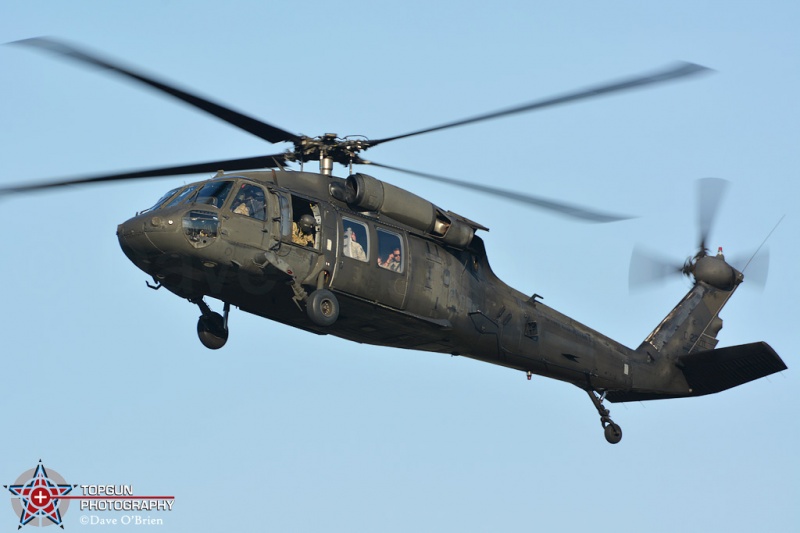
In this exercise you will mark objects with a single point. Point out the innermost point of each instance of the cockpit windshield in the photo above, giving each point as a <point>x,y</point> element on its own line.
<point>208,193</point>
<point>214,193</point>
<point>184,194</point>
<point>162,200</point>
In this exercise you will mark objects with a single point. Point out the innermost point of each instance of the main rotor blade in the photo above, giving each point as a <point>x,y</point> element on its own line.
<point>267,161</point>
<point>560,208</point>
<point>258,128</point>
<point>709,196</point>
<point>675,72</point>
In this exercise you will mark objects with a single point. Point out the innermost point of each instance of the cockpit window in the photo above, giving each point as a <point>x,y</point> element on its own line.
<point>214,193</point>
<point>162,200</point>
<point>186,193</point>
<point>250,202</point>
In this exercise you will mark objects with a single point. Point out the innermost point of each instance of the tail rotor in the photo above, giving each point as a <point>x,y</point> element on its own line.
<point>647,268</point>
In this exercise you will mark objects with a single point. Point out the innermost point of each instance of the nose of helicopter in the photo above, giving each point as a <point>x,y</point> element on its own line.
<point>145,239</point>
<point>175,241</point>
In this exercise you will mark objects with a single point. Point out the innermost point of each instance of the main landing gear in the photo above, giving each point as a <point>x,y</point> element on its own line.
<point>212,328</point>
<point>322,307</point>
<point>612,431</point>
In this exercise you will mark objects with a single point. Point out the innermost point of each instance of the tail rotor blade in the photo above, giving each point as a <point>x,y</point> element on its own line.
<point>755,267</point>
<point>647,268</point>
<point>709,197</point>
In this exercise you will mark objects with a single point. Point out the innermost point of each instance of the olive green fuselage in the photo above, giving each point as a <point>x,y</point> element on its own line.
<point>440,299</point>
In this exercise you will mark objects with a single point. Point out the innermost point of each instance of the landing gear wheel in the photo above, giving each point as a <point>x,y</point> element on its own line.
<point>322,307</point>
<point>212,331</point>
<point>613,433</point>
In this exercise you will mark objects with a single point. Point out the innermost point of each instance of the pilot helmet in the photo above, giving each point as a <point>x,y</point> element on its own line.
<point>306,224</point>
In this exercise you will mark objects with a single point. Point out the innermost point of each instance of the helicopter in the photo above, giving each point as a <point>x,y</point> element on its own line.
<point>367,261</point>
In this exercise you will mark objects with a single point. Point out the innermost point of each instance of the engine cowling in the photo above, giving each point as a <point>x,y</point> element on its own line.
<point>370,194</point>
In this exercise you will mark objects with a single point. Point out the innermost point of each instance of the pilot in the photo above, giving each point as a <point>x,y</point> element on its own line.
<point>249,202</point>
<point>351,246</point>
<point>303,231</point>
<point>240,205</point>
<point>257,205</point>
<point>392,261</point>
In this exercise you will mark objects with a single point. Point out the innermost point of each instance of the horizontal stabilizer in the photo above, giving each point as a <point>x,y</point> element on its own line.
<point>715,371</point>
<point>719,370</point>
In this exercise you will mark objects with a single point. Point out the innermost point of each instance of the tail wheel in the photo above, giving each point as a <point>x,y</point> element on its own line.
<point>613,433</point>
<point>322,307</point>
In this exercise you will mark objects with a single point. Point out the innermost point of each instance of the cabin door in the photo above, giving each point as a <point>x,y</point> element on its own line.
<point>371,263</point>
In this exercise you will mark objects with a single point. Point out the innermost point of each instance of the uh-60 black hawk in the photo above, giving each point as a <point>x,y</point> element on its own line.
<point>372,263</point>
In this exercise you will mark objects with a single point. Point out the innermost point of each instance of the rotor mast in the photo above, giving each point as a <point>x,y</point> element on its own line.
<point>325,156</point>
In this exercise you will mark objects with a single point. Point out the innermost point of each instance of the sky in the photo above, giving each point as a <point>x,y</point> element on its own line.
<point>106,382</point>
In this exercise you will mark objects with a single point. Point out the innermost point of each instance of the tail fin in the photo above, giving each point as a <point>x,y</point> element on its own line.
<point>692,326</point>
<point>683,345</point>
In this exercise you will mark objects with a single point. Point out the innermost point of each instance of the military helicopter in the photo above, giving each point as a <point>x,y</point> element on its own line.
<point>369,262</point>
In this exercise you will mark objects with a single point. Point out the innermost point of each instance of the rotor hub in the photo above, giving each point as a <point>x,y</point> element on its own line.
<point>715,271</point>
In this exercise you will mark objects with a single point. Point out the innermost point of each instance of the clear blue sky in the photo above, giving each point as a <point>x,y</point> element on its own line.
<point>106,382</point>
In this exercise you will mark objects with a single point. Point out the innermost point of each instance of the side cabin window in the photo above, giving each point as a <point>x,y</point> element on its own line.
<point>356,240</point>
<point>250,202</point>
<point>390,250</point>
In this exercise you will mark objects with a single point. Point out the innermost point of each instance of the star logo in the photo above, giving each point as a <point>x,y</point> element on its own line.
<point>37,497</point>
